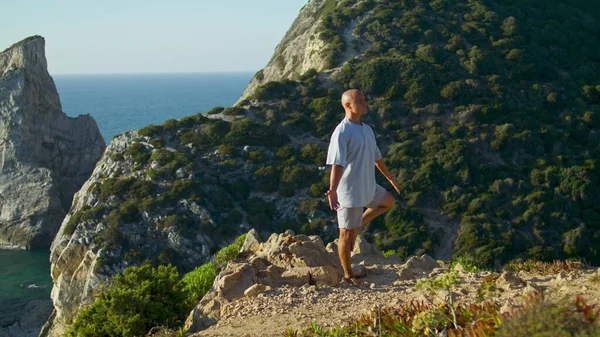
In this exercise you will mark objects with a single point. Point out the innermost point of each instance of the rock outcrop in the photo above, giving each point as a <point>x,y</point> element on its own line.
<point>45,156</point>
<point>284,259</point>
<point>302,48</point>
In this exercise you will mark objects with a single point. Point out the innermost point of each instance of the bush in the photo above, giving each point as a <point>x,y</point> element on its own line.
<point>177,221</point>
<point>215,110</point>
<point>229,253</point>
<point>245,132</point>
<point>150,130</point>
<point>138,153</point>
<point>541,318</point>
<point>313,154</point>
<point>199,281</point>
<point>139,299</point>
<point>235,111</point>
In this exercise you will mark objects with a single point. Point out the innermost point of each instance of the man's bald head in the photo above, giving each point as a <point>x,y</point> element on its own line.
<point>354,102</point>
<point>349,96</point>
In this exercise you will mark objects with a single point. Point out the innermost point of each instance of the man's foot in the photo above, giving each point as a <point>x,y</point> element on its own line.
<point>352,281</point>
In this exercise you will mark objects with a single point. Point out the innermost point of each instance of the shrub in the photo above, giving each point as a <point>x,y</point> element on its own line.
<point>139,299</point>
<point>215,110</point>
<point>229,253</point>
<point>245,132</point>
<point>541,318</point>
<point>138,153</point>
<point>235,111</point>
<point>177,221</point>
<point>150,130</point>
<point>313,154</point>
<point>199,281</point>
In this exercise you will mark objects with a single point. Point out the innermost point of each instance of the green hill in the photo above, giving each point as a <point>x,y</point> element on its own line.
<point>490,112</point>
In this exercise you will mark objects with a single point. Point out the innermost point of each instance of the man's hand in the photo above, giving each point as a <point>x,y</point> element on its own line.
<point>333,199</point>
<point>395,185</point>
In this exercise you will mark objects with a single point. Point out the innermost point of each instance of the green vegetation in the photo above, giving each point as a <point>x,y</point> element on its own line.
<point>488,111</point>
<point>139,299</point>
<point>539,318</point>
<point>145,297</point>
<point>199,281</point>
<point>490,118</point>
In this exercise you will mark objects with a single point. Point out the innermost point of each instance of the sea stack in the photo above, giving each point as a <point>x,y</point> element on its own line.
<point>45,156</point>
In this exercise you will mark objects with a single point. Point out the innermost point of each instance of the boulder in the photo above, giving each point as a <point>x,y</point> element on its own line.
<point>509,280</point>
<point>283,260</point>
<point>251,243</point>
<point>45,155</point>
<point>417,267</point>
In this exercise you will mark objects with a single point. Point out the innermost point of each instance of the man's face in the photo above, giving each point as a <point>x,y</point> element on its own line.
<point>359,103</point>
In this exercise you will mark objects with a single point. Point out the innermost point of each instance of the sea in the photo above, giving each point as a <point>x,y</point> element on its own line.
<point>118,102</point>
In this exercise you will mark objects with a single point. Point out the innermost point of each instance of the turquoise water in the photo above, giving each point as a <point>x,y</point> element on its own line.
<point>24,275</point>
<point>118,103</point>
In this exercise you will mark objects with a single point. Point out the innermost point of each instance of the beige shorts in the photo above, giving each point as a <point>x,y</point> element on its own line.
<point>351,217</point>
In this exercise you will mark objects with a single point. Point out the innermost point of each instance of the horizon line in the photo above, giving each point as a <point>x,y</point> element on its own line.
<point>161,73</point>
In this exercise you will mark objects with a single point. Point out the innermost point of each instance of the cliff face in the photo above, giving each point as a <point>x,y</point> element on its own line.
<point>448,85</point>
<point>303,48</point>
<point>45,156</point>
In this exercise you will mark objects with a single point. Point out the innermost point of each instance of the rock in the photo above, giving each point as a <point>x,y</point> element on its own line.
<point>560,277</point>
<point>506,308</point>
<point>45,156</point>
<point>530,288</point>
<point>417,267</point>
<point>459,268</point>
<point>332,247</point>
<point>254,290</point>
<point>359,270</point>
<point>234,280</point>
<point>25,319</point>
<point>363,247</point>
<point>298,52</point>
<point>283,260</point>
<point>363,250</point>
<point>509,280</point>
<point>251,243</point>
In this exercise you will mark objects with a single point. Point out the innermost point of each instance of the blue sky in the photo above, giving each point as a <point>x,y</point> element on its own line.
<point>136,36</point>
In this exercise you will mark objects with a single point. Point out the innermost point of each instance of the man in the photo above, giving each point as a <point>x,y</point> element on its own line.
<point>353,155</point>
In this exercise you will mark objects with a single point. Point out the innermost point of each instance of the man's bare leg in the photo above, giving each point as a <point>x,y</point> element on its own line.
<point>370,214</point>
<point>344,250</point>
<point>355,232</point>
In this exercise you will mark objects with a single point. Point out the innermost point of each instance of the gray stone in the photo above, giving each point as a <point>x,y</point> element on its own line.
<point>417,267</point>
<point>45,156</point>
<point>251,242</point>
<point>509,280</point>
<point>254,290</point>
<point>359,270</point>
<point>300,50</point>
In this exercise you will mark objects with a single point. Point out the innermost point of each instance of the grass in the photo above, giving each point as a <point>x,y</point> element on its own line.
<point>546,268</point>
<point>538,318</point>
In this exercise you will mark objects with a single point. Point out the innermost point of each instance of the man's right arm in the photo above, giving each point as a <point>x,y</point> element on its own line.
<point>336,175</point>
<point>336,157</point>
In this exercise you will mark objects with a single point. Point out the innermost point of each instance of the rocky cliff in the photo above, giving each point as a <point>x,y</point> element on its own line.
<point>491,130</point>
<point>307,46</point>
<point>45,156</point>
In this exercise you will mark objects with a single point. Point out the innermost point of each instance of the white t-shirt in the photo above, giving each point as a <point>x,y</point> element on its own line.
<point>354,147</point>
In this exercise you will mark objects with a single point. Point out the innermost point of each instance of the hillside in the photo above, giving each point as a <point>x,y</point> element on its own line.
<point>487,112</point>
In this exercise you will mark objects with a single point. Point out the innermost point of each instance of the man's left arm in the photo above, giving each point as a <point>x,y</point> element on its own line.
<point>380,164</point>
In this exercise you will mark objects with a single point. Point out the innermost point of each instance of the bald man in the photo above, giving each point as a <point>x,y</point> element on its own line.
<point>353,155</point>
